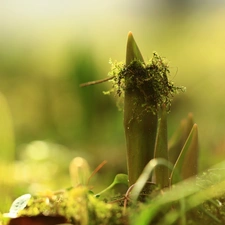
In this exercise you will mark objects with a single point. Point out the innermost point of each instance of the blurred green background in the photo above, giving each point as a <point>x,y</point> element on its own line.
<point>47,48</point>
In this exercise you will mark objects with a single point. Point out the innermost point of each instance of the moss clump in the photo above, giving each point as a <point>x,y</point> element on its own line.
<point>150,80</point>
<point>77,206</point>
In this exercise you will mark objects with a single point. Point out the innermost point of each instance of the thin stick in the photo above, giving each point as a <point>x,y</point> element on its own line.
<point>96,170</point>
<point>96,82</point>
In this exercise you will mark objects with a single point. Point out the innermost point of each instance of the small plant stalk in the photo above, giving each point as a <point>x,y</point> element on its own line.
<point>140,133</point>
<point>179,138</point>
<point>187,162</point>
<point>140,125</point>
<point>161,150</point>
<point>147,99</point>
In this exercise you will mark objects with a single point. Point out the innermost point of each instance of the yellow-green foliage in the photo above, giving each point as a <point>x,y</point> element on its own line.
<point>77,205</point>
<point>7,142</point>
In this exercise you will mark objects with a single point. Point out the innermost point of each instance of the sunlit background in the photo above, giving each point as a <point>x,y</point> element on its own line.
<point>48,48</point>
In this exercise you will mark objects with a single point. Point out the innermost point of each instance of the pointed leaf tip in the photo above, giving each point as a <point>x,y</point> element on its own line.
<point>133,51</point>
<point>130,34</point>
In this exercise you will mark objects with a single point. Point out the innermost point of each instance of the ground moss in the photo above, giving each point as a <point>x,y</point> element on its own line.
<point>77,206</point>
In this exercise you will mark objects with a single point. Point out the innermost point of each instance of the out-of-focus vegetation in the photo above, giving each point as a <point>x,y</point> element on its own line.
<point>48,48</point>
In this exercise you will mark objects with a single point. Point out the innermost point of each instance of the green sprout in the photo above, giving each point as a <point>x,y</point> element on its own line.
<point>119,179</point>
<point>147,95</point>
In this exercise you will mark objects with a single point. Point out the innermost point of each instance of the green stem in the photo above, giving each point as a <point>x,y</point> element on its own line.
<point>140,124</point>
<point>161,150</point>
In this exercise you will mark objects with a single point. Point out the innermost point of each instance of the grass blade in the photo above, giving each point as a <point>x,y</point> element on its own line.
<point>187,163</point>
<point>161,151</point>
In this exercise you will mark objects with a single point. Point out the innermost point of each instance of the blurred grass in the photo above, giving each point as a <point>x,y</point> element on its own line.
<point>47,50</point>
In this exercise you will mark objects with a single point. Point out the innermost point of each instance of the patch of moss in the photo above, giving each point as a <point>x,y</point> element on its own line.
<point>77,205</point>
<point>150,80</point>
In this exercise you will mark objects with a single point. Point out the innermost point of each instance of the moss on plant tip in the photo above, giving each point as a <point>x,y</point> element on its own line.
<point>150,80</point>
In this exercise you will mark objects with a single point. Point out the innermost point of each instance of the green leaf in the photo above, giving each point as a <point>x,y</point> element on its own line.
<point>140,125</point>
<point>133,52</point>
<point>190,164</point>
<point>143,178</point>
<point>146,88</point>
<point>119,179</point>
<point>161,151</point>
<point>163,203</point>
<point>189,196</point>
<point>179,138</point>
<point>187,163</point>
